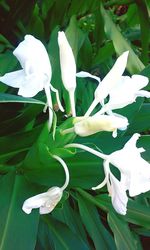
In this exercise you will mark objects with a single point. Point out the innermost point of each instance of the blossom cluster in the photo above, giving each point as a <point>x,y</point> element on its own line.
<point>115,91</point>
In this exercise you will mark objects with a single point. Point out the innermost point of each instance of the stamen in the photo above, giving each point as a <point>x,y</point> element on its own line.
<point>93,105</point>
<point>92,151</point>
<point>57,98</point>
<point>50,105</point>
<point>102,184</point>
<point>65,169</point>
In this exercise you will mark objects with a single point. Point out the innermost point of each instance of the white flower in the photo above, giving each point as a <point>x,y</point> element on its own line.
<point>36,69</point>
<point>109,81</point>
<point>47,201</point>
<point>126,92</point>
<point>35,74</point>
<point>68,68</point>
<point>135,171</point>
<point>85,126</point>
<point>135,174</point>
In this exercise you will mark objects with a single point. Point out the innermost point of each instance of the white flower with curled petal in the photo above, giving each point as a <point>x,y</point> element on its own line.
<point>135,171</point>
<point>36,72</point>
<point>68,68</point>
<point>109,81</point>
<point>126,92</point>
<point>47,201</point>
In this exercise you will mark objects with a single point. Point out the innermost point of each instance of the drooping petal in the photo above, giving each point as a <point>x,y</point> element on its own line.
<point>46,202</point>
<point>118,195</point>
<point>34,202</point>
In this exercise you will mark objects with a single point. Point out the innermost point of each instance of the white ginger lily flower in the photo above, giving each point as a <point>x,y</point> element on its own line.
<point>68,68</point>
<point>35,74</point>
<point>85,126</point>
<point>47,201</point>
<point>109,81</point>
<point>135,174</point>
<point>126,92</point>
<point>134,170</point>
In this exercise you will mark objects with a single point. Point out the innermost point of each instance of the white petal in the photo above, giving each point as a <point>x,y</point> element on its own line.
<point>112,78</point>
<point>33,56</point>
<point>34,202</point>
<point>14,79</point>
<point>67,63</point>
<point>84,74</point>
<point>31,86</point>
<point>118,195</point>
<point>143,93</point>
<point>140,81</point>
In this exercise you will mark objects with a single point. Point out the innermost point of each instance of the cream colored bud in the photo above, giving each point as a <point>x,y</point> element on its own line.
<point>91,125</point>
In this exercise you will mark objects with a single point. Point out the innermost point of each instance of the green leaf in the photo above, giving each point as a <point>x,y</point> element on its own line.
<point>102,239</point>
<point>123,237</point>
<point>63,237</point>
<point>24,142</point>
<point>75,36</point>
<point>120,43</point>
<point>16,228</point>
<point>139,123</point>
<point>5,98</point>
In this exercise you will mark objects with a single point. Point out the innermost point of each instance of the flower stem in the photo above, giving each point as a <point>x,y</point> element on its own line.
<point>65,169</point>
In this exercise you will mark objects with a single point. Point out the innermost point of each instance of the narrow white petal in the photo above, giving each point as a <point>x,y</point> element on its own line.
<point>143,93</point>
<point>112,78</point>
<point>84,74</point>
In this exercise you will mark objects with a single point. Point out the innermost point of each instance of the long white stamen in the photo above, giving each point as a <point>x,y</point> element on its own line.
<point>57,98</point>
<point>93,105</point>
<point>65,169</point>
<point>50,105</point>
<point>72,102</point>
<point>102,184</point>
<point>92,151</point>
<point>67,131</point>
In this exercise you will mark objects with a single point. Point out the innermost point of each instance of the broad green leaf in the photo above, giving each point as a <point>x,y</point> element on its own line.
<point>63,237</point>
<point>120,43</point>
<point>71,218</point>
<point>17,229</point>
<point>139,123</point>
<point>123,237</point>
<point>75,36</point>
<point>102,239</point>
<point>9,147</point>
